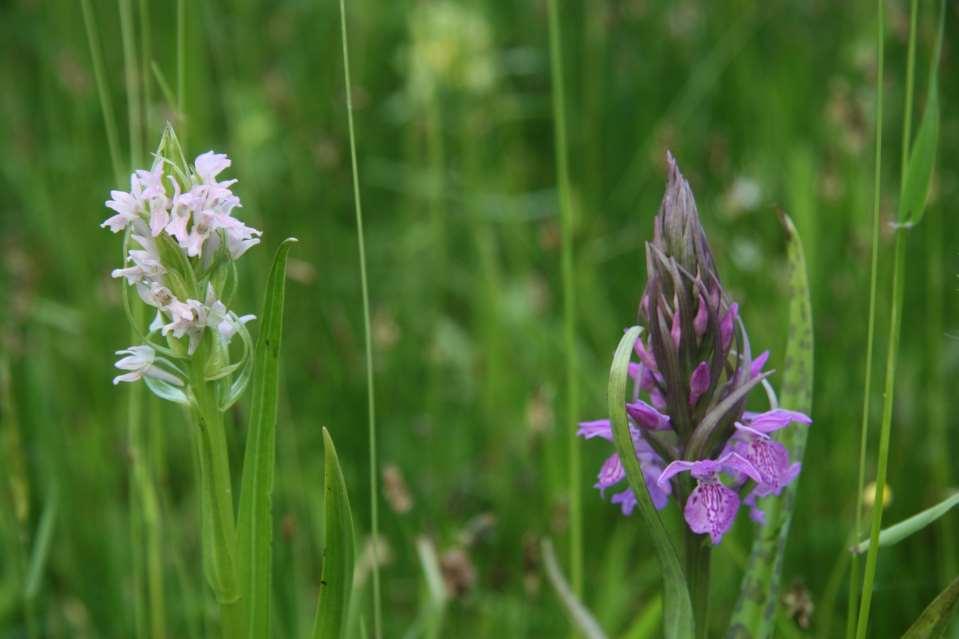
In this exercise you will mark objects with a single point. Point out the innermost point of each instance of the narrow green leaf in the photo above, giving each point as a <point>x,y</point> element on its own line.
<point>754,615</point>
<point>578,613</point>
<point>41,547</point>
<point>897,532</point>
<point>922,157</point>
<point>255,525</point>
<point>677,608</point>
<point>433,606</point>
<point>336,585</point>
<point>934,620</point>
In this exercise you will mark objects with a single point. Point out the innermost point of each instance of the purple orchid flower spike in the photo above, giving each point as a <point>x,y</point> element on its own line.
<point>693,374</point>
<point>612,471</point>
<point>712,506</point>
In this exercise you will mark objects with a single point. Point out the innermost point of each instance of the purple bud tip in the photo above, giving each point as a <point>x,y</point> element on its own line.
<point>698,383</point>
<point>727,324</point>
<point>702,318</point>
<point>676,330</point>
<point>644,355</point>
<point>756,368</point>
<point>646,416</point>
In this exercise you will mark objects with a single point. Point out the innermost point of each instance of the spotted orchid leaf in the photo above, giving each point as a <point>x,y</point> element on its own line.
<point>935,619</point>
<point>754,614</point>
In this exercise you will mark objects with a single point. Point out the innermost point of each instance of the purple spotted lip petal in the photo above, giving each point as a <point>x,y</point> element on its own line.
<point>711,509</point>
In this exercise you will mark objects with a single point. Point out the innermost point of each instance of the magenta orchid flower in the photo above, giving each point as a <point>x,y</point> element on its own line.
<point>693,355</point>
<point>711,506</point>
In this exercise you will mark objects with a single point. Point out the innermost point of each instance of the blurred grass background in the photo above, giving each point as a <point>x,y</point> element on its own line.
<point>764,103</point>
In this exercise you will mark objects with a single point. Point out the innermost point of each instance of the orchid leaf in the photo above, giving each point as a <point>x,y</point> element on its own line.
<point>677,606</point>
<point>255,520</point>
<point>934,620</point>
<point>754,615</point>
<point>912,525</point>
<point>336,585</point>
<point>922,156</point>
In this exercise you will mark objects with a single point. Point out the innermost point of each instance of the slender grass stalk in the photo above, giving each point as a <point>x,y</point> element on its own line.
<point>569,299</point>
<point>181,66</point>
<point>871,325</point>
<point>106,107</point>
<point>135,392</point>
<point>131,81</point>
<point>371,403</point>
<point>145,59</point>
<point>895,325</point>
<point>895,322</point>
<point>151,467</point>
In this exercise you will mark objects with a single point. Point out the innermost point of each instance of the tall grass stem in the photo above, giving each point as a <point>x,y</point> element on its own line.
<point>132,82</point>
<point>106,107</point>
<point>181,65</point>
<point>370,394</point>
<point>895,325</point>
<point>569,299</point>
<point>871,324</point>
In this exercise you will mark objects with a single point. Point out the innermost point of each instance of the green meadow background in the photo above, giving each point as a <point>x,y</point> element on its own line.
<point>765,105</point>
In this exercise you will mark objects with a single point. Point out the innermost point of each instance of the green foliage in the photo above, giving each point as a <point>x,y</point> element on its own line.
<point>922,157</point>
<point>677,609</point>
<point>763,104</point>
<point>934,620</point>
<point>336,586</point>
<point>255,524</point>
<point>578,614</point>
<point>897,532</point>
<point>755,613</point>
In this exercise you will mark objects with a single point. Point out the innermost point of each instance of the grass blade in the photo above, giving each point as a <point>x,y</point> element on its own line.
<point>106,106</point>
<point>934,620</point>
<point>578,613</point>
<point>364,286</point>
<point>41,547</point>
<point>255,522</point>
<point>677,607</point>
<point>922,157</point>
<point>853,595</point>
<point>569,298</point>
<point>907,527</point>
<point>892,352</point>
<point>754,615</point>
<point>336,586</point>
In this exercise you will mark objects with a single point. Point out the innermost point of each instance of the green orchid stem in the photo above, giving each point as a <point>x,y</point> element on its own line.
<point>698,555</point>
<point>217,486</point>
